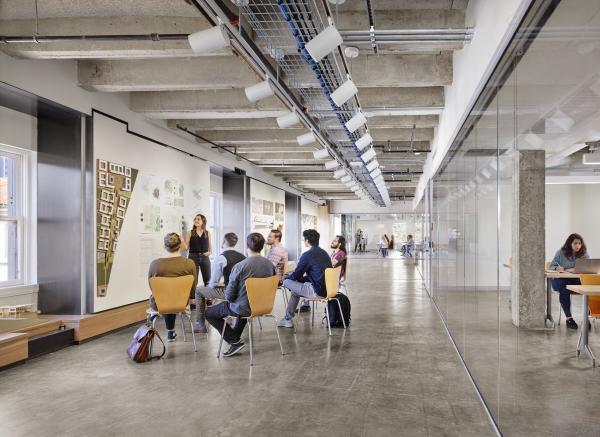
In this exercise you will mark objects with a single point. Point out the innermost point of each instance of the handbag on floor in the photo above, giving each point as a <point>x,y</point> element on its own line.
<point>139,348</point>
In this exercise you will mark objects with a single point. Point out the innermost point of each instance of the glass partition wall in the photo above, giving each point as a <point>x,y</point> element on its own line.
<point>544,95</point>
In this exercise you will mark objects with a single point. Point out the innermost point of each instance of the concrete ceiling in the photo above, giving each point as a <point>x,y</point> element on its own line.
<point>401,88</point>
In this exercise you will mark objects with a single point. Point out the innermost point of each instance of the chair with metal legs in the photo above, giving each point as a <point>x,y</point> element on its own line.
<point>332,285</point>
<point>261,296</point>
<point>343,287</point>
<point>171,296</point>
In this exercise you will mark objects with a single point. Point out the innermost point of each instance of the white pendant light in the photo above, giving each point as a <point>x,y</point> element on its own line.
<point>355,122</point>
<point>357,188</point>
<point>307,138</point>
<point>321,154</point>
<point>324,43</point>
<point>339,173</point>
<point>209,40</point>
<point>330,165</point>
<point>372,165</point>
<point>364,141</point>
<point>288,120</point>
<point>345,179</point>
<point>368,155</point>
<point>260,91</point>
<point>344,93</point>
<point>375,173</point>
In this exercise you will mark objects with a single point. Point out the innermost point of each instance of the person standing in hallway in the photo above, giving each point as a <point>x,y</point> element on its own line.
<point>392,243</point>
<point>278,254</point>
<point>237,304</point>
<point>172,265</point>
<point>357,240</point>
<point>339,255</point>
<point>221,268</point>
<point>197,242</point>
<point>564,261</point>
<point>383,246</point>
<point>308,280</point>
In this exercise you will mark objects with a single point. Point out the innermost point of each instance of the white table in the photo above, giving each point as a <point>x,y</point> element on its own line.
<point>586,291</point>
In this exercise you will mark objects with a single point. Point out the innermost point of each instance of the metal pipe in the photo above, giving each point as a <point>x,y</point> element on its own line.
<point>74,38</point>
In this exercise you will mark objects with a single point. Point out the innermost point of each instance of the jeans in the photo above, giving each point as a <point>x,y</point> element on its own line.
<point>298,289</point>
<point>215,315</point>
<point>202,293</point>
<point>169,318</point>
<point>564,296</point>
<point>202,267</point>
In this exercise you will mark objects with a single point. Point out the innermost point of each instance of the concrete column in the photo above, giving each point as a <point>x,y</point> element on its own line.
<point>528,244</point>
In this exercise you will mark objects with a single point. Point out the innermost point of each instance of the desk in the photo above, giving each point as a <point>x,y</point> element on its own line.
<point>586,291</point>
<point>550,275</point>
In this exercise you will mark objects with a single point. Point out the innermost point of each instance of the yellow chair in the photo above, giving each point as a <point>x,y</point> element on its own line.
<point>593,301</point>
<point>171,296</point>
<point>332,284</point>
<point>288,268</point>
<point>261,296</point>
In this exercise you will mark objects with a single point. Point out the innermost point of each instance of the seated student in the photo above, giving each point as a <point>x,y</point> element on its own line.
<point>339,254</point>
<point>564,261</point>
<point>278,254</point>
<point>236,305</point>
<point>308,280</point>
<point>221,268</point>
<point>172,265</point>
<point>408,247</point>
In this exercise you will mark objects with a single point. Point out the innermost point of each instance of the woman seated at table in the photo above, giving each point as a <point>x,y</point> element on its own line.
<point>564,261</point>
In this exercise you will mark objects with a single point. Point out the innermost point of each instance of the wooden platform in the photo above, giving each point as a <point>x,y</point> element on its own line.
<point>13,348</point>
<point>88,326</point>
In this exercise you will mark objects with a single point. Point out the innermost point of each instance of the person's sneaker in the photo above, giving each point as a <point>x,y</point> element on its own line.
<point>171,336</point>
<point>200,328</point>
<point>234,349</point>
<point>571,324</point>
<point>285,323</point>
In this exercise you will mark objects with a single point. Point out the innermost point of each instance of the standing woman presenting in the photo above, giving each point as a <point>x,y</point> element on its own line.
<point>197,241</point>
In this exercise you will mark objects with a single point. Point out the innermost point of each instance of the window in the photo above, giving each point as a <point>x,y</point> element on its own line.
<point>11,219</point>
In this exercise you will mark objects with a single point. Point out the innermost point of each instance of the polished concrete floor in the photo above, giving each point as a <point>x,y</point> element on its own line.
<point>393,373</point>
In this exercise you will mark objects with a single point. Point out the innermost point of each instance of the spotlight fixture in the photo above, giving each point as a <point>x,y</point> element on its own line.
<point>305,139</point>
<point>260,91</point>
<point>345,179</point>
<point>375,173</point>
<point>355,189</point>
<point>288,120</point>
<point>330,165</point>
<point>368,155</point>
<point>324,43</point>
<point>351,52</point>
<point>355,122</point>
<point>344,93</point>
<point>339,173</point>
<point>321,154</point>
<point>372,165</point>
<point>209,40</point>
<point>364,141</point>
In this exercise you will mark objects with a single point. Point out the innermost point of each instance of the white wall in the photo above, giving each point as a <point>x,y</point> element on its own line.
<point>18,129</point>
<point>572,208</point>
<point>216,183</point>
<point>137,246</point>
<point>324,226</point>
<point>261,191</point>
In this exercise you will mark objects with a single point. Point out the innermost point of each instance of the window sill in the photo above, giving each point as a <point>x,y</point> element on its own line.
<point>18,290</point>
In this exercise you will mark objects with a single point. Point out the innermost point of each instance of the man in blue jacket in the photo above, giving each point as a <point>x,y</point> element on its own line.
<point>308,280</point>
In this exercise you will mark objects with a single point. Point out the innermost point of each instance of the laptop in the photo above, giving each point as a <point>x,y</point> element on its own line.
<point>587,266</point>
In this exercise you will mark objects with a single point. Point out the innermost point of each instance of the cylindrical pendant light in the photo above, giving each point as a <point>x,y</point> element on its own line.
<point>364,141</point>
<point>321,154</point>
<point>344,93</point>
<point>260,91</point>
<point>375,173</point>
<point>330,165</point>
<point>368,155</point>
<point>345,179</point>
<point>209,40</point>
<point>372,165</point>
<point>307,138</point>
<point>324,43</point>
<point>339,173</point>
<point>355,189</point>
<point>288,120</point>
<point>355,122</point>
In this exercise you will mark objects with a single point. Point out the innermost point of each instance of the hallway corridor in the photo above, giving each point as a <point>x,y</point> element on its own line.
<point>393,373</point>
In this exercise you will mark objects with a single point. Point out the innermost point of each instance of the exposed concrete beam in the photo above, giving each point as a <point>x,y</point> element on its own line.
<point>388,97</point>
<point>402,146</point>
<point>203,104</point>
<point>382,6</point>
<point>226,124</point>
<point>300,156</point>
<point>403,121</point>
<point>402,19</point>
<point>285,161</point>
<point>253,136</point>
<point>402,134</point>
<point>204,73</point>
<point>402,70</point>
<point>270,148</point>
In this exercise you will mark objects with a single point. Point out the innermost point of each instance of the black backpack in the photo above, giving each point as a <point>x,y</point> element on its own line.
<point>335,318</point>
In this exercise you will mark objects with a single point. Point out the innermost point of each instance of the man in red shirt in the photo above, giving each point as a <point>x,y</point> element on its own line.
<point>338,256</point>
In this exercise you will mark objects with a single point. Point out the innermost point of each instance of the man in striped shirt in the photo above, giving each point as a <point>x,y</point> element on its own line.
<point>278,255</point>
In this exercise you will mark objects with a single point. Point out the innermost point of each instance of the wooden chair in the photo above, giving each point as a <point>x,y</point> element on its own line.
<point>261,296</point>
<point>171,296</point>
<point>593,301</point>
<point>332,284</point>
